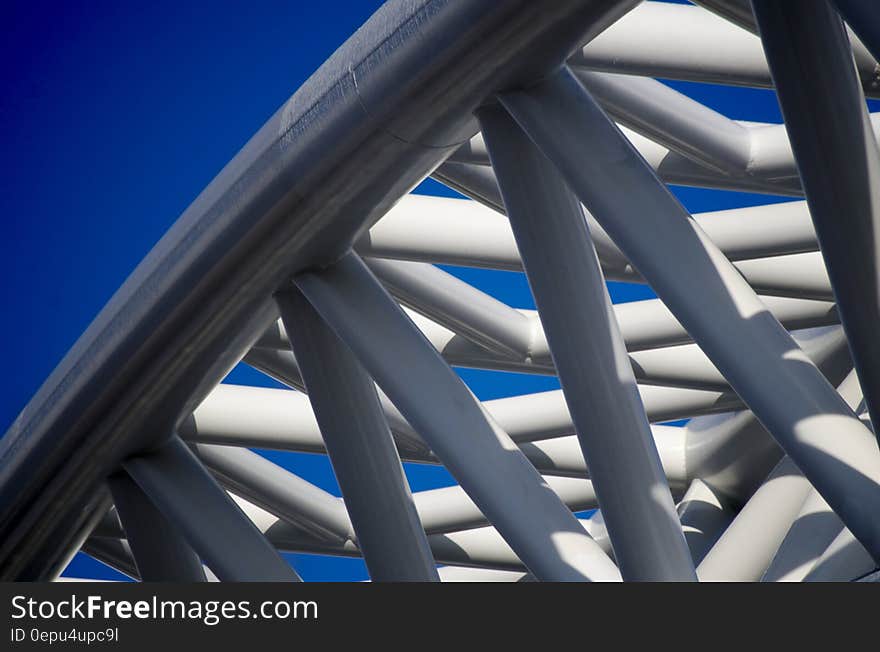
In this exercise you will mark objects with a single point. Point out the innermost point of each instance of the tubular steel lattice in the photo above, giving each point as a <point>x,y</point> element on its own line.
<point>306,259</point>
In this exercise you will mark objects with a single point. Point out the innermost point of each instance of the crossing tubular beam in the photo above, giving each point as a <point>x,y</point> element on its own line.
<point>306,259</point>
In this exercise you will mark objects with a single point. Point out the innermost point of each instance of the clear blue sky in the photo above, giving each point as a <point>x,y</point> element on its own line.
<point>115,115</point>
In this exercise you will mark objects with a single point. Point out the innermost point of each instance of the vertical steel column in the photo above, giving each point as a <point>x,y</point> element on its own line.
<point>590,357</point>
<point>836,152</point>
<point>360,447</point>
<point>160,552</point>
<point>709,297</point>
<point>483,458</point>
<point>187,495</point>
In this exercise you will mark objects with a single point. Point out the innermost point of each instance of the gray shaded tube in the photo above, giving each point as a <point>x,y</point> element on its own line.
<point>746,548</point>
<point>709,297</point>
<point>160,553</point>
<point>484,460</point>
<point>212,523</point>
<point>704,516</point>
<point>838,160</point>
<point>361,450</point>
<point>590,357</point>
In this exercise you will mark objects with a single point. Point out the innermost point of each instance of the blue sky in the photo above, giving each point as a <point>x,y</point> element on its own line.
<point>115,115</point>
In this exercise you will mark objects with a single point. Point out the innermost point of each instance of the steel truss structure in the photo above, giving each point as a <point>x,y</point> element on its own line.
<point>307,259</point>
